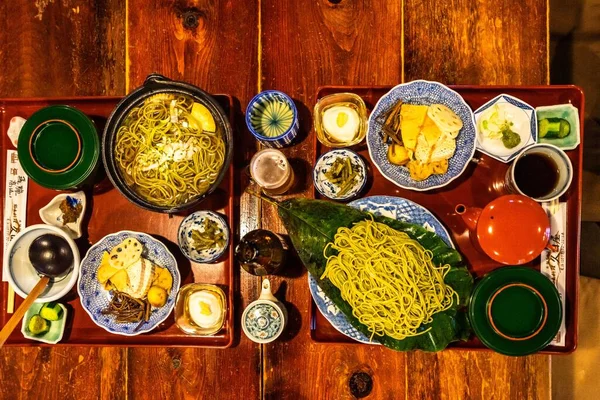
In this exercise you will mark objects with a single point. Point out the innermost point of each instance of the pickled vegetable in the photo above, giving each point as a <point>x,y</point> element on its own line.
<point>551,128</point>
<point>38,325</point>
<point>51,311</point>
<point>210,236</point>
<point>343,173</point>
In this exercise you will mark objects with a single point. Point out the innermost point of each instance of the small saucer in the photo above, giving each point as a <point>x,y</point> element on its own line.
<point>51,213</point>
<point>515,311</point>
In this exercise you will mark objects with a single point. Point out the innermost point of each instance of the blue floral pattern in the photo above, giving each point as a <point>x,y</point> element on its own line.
<point>388,206</point>
<point>94,298</point>
<point>194,221</point>
<point>329,189</point>
<point>426,93</point>
<point>263,321</point>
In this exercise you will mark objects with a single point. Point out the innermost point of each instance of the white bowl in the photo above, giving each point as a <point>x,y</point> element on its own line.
<point>23,277</point>
<point>52,215</point>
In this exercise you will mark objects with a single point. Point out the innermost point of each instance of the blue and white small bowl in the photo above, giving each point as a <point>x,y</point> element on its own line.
<point>194,221</point>
<point>268,101</point>
<point>528,133</point>
<point>94,298</point>
<point>330,189</point>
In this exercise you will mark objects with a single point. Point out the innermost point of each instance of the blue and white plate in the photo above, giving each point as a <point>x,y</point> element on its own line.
<point>528,131</point>
<point>194,221</point>
<point>330,189</point>
<point>94,298</point>
<point>387,206</point>
<point>424,93</point>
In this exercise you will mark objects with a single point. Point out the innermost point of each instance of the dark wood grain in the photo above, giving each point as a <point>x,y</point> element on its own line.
<point>212,44</point>
<point>343,45</point>
<point>61,49</point>
<point>307,44</point>
<point>476,42</point>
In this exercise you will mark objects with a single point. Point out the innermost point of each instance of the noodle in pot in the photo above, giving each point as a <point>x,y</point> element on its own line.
<point>164,153</point>
<point>388,278</point>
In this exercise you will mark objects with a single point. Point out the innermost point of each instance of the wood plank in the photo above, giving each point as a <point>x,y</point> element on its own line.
<point>477,42</point>
<point>61,49</point>
<point>470,42</point>
<point>307,44</point>
<point>212,44</point>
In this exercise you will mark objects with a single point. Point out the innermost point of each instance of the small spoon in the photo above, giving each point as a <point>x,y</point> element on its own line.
<point>51,256</point>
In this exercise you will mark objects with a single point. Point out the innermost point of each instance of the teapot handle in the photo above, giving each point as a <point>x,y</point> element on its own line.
<point>265,293</point>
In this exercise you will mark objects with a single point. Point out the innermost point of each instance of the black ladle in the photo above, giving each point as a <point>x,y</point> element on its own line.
<point>51,256</point>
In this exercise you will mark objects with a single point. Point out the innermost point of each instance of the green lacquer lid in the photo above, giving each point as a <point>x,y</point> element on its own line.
<point>59,147</point>
<point>515,311</point>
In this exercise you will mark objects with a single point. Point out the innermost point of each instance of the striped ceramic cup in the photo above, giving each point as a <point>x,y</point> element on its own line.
<point>272,118</point>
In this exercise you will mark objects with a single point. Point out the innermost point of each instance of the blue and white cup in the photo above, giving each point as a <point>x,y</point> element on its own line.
<point>264,319</point>
<point>564,171</point>
<point>272,117</point>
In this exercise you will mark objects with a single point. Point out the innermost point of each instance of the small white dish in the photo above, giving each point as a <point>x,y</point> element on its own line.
<point>14,129</point>
<point>565,111</point>
<point>195,221</point>
<point>21,274</point>
<point>525,124</point>
<point>330,189</point>
<point>57,328</point>
<point>51,213</point>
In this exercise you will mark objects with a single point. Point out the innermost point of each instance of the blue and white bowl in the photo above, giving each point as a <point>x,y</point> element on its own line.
<point>264,107</point>
<point>425,93</point>
<point>330,189</point>
<point>194,221</point>
<point>94,298</point>
<point>387,206</point>
<point>528,137</point>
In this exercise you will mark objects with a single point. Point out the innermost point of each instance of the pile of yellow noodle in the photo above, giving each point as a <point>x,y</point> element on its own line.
<point>388,279</point>
<point>165,119</point>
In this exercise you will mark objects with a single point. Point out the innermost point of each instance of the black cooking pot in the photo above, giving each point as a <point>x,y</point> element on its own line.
<point>152,85</point>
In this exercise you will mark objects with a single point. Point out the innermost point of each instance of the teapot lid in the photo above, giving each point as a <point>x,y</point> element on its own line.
<point>513,229</point>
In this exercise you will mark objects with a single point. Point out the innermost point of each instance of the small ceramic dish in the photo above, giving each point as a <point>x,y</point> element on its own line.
<point>515,311</point>
<point>21,274</point>
<point>350,100</point>
<point>195,221</point>
<point>14,129</point>
<point>272,117</point>
<point>52,214</point>
<point>567,112</point>
<point>57,328</point>
<point>330,189</point>
<point>524,122</point>
<point>264,319</point>
<point>183,308</point>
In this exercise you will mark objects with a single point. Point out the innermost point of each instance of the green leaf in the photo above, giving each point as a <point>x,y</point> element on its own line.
<point>311,224</point>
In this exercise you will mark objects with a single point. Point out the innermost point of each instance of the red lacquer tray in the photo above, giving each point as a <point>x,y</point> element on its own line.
<point>109,212</point>
<point>475,187</point>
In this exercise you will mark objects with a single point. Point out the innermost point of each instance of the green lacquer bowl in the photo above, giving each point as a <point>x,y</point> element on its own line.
<point>59,147</point>
<point>515,311</point>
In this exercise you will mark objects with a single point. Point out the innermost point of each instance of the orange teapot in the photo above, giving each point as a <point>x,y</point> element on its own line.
<point>512,229</point>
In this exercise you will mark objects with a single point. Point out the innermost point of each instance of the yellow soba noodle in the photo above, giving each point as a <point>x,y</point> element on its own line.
<point>388,278</point>
<point>164,153</point>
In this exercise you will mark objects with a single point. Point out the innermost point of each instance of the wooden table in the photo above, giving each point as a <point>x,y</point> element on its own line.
<point>107,47</point>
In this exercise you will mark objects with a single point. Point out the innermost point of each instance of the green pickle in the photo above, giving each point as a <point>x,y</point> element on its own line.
<point>554,128</point>
<point>51,311</point>
<point>38,325</point>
